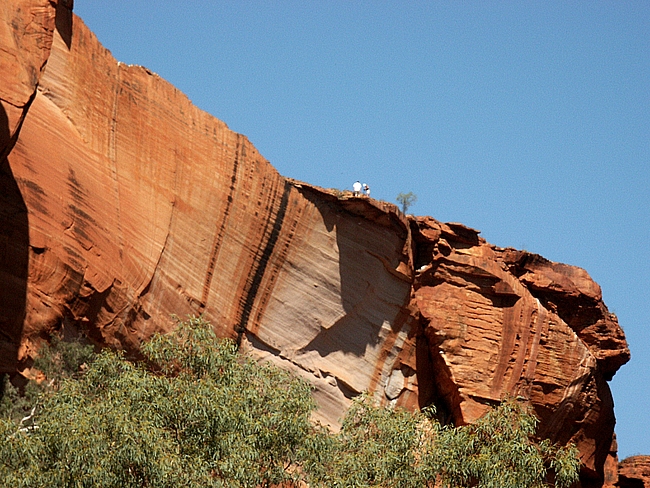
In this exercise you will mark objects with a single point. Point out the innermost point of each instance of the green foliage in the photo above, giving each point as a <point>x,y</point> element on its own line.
<point>57,360</point>
<point>406,200</point>
<point>375,447</point>
<point>197,413</point>
<point>381,447</point>
<point>63,359</point>
<point>497,452</point>
<point>14,405</point>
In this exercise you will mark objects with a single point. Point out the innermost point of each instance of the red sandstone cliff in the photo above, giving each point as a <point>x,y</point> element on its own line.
<point>122,203</point>
<point>634,472</point>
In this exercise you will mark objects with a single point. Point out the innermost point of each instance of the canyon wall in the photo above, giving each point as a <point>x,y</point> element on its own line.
<point>121,204</point>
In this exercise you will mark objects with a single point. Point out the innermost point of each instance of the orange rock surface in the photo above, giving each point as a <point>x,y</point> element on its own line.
<point>501,322</point>
<point>121,203</point>
<point>26,34</point>
<point>634,472</point>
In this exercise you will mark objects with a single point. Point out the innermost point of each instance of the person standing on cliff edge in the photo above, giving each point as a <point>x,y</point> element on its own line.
<point>366,190</point>
<point>357,188</point>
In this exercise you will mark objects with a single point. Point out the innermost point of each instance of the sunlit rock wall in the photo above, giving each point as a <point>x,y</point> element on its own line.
<point>121,204</point>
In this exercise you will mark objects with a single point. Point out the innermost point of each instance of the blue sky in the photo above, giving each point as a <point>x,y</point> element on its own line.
<point>527,120</point>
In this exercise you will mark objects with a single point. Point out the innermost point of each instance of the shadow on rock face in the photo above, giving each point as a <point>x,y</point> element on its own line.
<point>371,297</point>
<point>14,254</point>
<point>64,19</point>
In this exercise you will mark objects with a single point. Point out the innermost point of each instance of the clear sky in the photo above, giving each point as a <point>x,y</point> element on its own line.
<point>529,121</point>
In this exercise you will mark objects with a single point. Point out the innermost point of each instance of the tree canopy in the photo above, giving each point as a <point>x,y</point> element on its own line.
<point>406,200</point>
<point>197,413</point>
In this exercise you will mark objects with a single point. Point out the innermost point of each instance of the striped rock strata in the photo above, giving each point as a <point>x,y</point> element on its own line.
<point>121,203</point>
<point>634,472</point>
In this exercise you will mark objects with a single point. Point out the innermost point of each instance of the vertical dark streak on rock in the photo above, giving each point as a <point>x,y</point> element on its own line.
<point>278,262</point>
<point>112,156</point>
<point>218,237</point>
<point>260,264</point>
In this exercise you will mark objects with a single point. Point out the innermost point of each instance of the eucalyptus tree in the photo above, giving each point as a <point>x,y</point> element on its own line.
<point>196,412</point>
<point>406,200</point>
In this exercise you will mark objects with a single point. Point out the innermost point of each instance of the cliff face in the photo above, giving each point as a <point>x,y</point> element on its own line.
<point>505,322</point>
<point>121,203</point>
<point>634,472</point>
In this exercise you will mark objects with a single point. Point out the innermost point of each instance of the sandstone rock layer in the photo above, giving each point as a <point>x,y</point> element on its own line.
<point>122,204</point>
<point>501,322</point>
<point>634,472</point>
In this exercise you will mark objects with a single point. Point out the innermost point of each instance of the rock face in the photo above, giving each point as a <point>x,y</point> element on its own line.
<point>121,203</point>
<point>26,34</point>
<point>504,322</point>
<point>634,472</point>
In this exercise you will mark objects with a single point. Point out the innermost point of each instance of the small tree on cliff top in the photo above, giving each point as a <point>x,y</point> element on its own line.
<point>406,200</point>
<point>198,414</point>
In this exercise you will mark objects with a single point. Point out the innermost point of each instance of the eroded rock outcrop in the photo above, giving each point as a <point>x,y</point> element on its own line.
<point>634,472</point>
<point>122,204</point>
<point>501,322</point>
